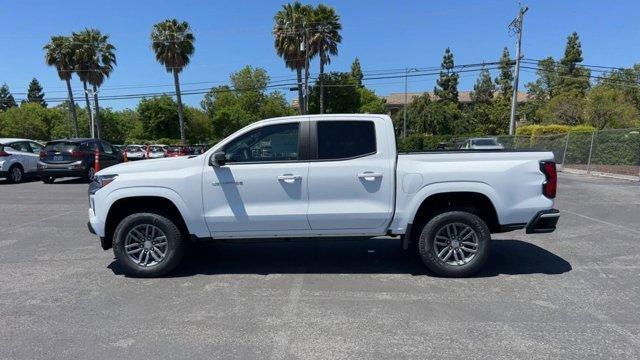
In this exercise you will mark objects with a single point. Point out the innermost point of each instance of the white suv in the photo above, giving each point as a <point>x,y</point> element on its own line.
<point>18,157</point>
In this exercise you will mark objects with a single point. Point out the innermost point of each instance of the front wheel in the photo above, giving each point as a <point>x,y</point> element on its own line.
<point>148,245</point>
<point>15,174</point>
<point>48,179</point>
<point>454,244</point>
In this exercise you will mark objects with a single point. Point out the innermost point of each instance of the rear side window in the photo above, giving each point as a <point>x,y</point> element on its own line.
<point>61,146</point>
<point>345,139</point>
<point>20,146</point>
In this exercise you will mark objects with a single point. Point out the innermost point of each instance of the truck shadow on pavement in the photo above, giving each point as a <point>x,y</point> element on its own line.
<point>343,256</point>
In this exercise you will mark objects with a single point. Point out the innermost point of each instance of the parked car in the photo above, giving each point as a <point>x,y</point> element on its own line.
<point>489,143</point>
<point>75,158</point>
<point>174,151</point>
<point>18,158</point>
<point>155,152</point>
<point>322,176</point>
<point>135,152</point>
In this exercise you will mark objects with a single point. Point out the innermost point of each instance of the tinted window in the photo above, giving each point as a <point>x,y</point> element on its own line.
<point>345,139</point>
<point>269,143</point>
<point>484,142</point>
<point>61,146</point>
<point>106,148</point>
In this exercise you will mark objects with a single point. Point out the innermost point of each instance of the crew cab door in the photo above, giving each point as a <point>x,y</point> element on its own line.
<point>262,188</point>
<point>350,176</point>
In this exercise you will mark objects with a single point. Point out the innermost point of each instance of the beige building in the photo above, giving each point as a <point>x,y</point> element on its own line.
<point>396,101</point>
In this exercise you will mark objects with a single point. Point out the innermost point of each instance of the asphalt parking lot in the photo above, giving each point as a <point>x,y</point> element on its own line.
<point>572,294</point>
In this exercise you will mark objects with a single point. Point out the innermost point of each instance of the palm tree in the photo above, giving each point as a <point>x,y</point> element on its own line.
<point>95,59</point>
<point>325,37</point>
<point>289,34</point>
<point>172,42</point>
<point>59,53</point>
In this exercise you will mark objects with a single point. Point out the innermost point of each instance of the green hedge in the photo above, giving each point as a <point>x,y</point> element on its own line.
<point>537,130</point>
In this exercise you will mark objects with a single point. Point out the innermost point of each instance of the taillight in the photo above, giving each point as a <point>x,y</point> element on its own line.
<point>550,185</point>
<point>3,153</point>
<point>76,154</point>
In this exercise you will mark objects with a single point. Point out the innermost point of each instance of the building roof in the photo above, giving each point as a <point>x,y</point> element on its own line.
<point>397,99</point>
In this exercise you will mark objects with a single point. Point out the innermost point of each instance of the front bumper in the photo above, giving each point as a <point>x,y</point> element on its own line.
<point>544,222</point>
<point>4,174</point>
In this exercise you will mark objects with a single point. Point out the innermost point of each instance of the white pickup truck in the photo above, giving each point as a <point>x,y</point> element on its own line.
<point>322,176</point>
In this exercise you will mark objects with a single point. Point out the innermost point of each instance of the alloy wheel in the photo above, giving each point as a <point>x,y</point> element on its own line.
<point>146,245</point>
<point>456,244</point>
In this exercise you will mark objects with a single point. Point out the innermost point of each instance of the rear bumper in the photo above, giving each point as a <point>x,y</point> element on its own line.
<point>62,172</point>
<point>544,222</point>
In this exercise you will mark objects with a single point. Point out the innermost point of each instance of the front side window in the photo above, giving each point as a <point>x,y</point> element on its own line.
<point>269,143</point>
<point>345,139</point>
<point>106,148</point>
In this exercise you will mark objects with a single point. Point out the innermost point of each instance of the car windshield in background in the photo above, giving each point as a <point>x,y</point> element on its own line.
<point>62,146</point>
<point>156,149</point>
<point>485,142</point>
<point>174,149</point>
<point>133,149</point>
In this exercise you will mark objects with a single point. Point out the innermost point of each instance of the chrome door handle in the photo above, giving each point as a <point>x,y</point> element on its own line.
<point>289,178</point>
<point>369,175</point>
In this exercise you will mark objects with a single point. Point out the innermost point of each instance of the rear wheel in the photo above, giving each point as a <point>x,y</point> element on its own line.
<point>16,174</point>
<point>454,244</point>
<point>148,245</point>
<point>48,179</point>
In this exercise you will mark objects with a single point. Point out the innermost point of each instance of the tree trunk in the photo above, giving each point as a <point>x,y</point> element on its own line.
<point>300,98</point>
<point>96,111</point>
<point>321,79</point>
<point>72,109</point>
<point>89,114</point>
<point>183,138</point>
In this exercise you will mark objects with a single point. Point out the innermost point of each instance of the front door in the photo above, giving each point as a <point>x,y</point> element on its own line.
<point>262,188</point>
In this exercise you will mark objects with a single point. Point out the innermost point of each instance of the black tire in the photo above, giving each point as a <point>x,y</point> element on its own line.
<point>176,245</point>
<point>428,252</point>
<point>48,179</point>
<point>89,174</point>
<point>16,174</point>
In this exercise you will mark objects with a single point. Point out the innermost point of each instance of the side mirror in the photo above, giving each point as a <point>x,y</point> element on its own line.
<point>218,159</point>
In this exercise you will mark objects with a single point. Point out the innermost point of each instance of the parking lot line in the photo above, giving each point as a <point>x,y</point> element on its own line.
<point>19,226</point>
<point>601,221</point>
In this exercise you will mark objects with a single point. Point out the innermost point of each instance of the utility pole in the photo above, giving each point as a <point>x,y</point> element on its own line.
<point>516,28</point>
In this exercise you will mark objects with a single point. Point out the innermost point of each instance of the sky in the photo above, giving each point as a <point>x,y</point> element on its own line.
<point>382,34</point>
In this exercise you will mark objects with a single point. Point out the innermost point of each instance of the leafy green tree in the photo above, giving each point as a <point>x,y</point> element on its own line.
<point>173,45</point>
<point>289,31</point>
<point>483,89</point>
<point>370,103</point>
<point>325,37</point>
<point>341,94</point>
<point>622,79</point>
<point>35,94</point>
<point>356,71</point>
<point>230,108</point>
<point>564,108</point>
<point>425,116</point>
<point>447,84</point>
<point>6,99</point>
<point>159,117</point>
<point>96,57</point>
<point>606,106</point>
<point>199,129</point>
<point>573,77</point>
<point>117,126</point>
<point>504,81</point>
<point>30,121</point>
<point>59,53</point>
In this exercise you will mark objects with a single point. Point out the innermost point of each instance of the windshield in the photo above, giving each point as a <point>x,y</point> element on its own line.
<point>131,148</point>
<point>174,149</point>
<point>62,146</point>
<point>484,142</point>
<point>156,149</point>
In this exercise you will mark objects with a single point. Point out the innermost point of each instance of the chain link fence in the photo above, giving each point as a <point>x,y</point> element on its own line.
<point>615,151</point>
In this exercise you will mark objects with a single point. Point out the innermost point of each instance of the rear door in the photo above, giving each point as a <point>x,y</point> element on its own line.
<point>350,177</point>
<point>108,155</point>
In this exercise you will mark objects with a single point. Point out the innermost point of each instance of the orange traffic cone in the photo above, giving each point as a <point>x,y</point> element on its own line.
<point>96,160</point>
<point>124,156</point>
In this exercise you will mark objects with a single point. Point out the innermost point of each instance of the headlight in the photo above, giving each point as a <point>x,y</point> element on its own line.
<point>100,181</point>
